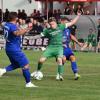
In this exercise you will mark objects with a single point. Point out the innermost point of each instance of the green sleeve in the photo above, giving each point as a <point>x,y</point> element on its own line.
<point>62,26</point>
<point>45,32</point>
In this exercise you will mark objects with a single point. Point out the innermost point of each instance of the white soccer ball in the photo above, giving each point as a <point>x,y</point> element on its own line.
<point>37,75</point>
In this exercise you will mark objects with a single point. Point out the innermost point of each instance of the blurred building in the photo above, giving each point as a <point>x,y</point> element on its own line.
<point>40,5</point>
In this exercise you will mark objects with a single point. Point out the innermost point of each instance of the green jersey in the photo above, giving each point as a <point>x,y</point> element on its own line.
<point>54,35</point>
<point>92,39</point>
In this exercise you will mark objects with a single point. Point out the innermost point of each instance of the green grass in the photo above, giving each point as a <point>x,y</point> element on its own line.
<point>12,84</point>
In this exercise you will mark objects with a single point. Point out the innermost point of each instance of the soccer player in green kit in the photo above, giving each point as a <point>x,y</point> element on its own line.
<point>55,46</point>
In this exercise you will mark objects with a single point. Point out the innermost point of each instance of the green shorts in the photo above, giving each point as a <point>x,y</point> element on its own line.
<point>53,52</point>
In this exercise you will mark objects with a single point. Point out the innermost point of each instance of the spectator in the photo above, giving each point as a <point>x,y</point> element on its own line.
<point>23,14</point>
<point>6,15</point>
<point>19,13</point>
<point>91,42</point>
<point>38,14</point>
<point>79,9</point>
<point>36,28</point>
<point>0,15</point>
<point>34,13</point>
<point>67,10</point>
<point>50,13</point>
<point>55,13</point>
<point>22,24</point>
<point>59,13</point>
<point>46,24</point>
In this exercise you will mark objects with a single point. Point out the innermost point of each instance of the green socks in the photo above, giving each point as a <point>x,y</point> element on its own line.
<point>39,66</point>
<point>60,69</point>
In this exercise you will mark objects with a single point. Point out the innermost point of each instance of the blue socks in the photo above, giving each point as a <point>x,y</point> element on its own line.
<point>26,72</point>
<point>74,67</point>
<point>26,75</point>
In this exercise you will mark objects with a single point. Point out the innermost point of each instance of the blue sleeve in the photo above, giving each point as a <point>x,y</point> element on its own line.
<point>13,28</point>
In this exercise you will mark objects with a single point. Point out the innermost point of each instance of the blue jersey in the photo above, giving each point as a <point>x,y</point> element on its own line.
<point>12,41</point>
<point>67,52</point>
<point>66,37</point>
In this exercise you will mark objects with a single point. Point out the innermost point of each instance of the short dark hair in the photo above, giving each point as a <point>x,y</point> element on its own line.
<point>12,16</point>
<point>51,19</point>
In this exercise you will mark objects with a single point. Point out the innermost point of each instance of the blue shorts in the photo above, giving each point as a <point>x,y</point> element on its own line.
<point>67,53</point>
<point>17,59</point>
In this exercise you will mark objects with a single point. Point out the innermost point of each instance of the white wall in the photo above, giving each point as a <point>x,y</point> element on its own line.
<point>98,7</point>
<point>59,5</point>
<point>14,5</point>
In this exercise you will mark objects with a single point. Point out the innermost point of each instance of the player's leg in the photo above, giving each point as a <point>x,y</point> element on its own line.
<point>26,74</point>
<point>69,55</point>
<point>64,59</point>
<point>10,67</point>
<point>60,69</point>
<point>46,54</point>
<point>66,54</point>
<point>7,69</point>
<point>59,55</point>
<point>74,67</point>
<point>40,63</point>
<point>14,65</point>
<point>23,62</point>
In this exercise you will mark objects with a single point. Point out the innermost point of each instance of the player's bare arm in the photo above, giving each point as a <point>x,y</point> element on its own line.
<point>68,24</point>
<point>21,31</point>
<point>75,40</point>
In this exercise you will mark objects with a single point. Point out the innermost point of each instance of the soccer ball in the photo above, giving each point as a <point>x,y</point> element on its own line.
<point>37,75</point>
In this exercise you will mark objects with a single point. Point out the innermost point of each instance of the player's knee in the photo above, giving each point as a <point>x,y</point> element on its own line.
<point>64,59</point>
<point>26,66</point>
<point>59,61</point>
<point>42,60</point>
<point>72,58</point>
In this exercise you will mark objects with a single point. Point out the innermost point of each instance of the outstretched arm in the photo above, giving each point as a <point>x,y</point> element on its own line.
<point>75,40</point>
<point>21,31</point>
<point>38,36</point>
<point>68,24</point>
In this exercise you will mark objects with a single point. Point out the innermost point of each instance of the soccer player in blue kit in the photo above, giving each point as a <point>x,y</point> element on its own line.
<point>67,51</point>
<point>13,50</point>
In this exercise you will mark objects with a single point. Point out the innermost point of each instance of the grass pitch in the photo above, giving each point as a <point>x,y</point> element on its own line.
<point>12,84</point>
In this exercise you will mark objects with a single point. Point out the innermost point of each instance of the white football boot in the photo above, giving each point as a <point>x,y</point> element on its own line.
<point>29,85</point>
<point>2,71</point>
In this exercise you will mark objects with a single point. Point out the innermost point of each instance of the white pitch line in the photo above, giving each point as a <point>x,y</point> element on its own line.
<point>92,74</point>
